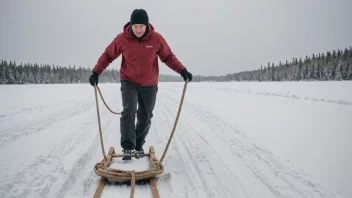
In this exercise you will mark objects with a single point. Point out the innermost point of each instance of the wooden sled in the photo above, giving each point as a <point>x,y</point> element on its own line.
<point>152,180</point>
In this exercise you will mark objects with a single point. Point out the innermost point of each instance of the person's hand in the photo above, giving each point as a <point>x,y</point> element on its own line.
<point>186,75</point>
<point>93,79</point>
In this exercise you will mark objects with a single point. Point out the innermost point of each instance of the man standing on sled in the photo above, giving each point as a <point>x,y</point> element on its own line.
<point>140,47</point>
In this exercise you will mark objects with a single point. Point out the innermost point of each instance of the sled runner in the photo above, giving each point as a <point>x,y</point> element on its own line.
<point>156,168</point>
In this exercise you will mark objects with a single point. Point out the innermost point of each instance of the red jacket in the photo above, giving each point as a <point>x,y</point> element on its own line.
<point>139,62</point>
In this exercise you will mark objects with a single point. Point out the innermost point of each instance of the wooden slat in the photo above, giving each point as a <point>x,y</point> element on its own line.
<point>100,188</point>
<point>102,180</point>
<point>111,152</point>
<point>152,180</point>
<point>154,187</point>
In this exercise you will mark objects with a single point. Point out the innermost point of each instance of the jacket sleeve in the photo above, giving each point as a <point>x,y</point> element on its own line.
<point>112,51</point>
<point>168,57</point>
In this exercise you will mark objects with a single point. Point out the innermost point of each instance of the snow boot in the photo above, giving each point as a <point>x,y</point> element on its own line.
<point>127,154</point>
<point>139,153</point>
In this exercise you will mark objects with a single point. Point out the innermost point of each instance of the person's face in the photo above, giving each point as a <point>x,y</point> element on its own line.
<point>139,29</point>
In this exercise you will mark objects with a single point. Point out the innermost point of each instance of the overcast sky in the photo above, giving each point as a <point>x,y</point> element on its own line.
<point>208,37</point>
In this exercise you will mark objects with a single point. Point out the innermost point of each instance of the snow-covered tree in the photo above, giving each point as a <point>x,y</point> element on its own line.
<point>338,74</point>
<point>2,72</point>
<point>10,76</point>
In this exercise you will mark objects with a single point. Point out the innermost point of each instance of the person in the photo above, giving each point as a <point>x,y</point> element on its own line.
<point>140,46</point>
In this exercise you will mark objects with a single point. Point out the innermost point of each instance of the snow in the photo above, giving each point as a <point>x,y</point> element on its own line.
<point>233,139</point>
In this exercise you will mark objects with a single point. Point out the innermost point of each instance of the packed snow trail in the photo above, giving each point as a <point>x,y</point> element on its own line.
<point>50,142</point>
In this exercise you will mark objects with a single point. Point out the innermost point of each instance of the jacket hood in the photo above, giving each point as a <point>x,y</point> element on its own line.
<point>127,33</point>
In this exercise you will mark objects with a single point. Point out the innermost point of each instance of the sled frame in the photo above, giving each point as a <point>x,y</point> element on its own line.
<point>152,180</point>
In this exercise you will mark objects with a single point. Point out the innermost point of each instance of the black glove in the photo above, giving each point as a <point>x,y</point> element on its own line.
<point>94,78</point>
<point>186,75</point>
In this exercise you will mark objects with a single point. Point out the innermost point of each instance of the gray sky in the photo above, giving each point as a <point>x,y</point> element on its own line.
<point>209,37</point>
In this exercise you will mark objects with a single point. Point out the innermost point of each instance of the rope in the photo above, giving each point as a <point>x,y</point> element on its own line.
<point>101,169</point>
<point>174,128</point>
<point>102,98</point>
<point>156,168</point>
<point>101,134</point>
<point>133,183</point>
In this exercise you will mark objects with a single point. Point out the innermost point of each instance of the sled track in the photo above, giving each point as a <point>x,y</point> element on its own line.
<point>202,174</point>
<point>48,174</point>
<point>13,131</point>
<point>250,164</point>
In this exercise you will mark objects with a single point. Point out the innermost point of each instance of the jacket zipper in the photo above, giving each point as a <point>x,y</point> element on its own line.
<point>140,60</point>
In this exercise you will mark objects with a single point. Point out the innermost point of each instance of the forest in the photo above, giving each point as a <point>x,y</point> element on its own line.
<point>332,65</point>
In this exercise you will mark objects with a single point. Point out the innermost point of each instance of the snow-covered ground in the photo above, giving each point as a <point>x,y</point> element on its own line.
<point>238,139</point>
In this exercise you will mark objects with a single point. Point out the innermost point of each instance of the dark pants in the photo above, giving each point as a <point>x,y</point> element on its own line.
<point>133,137</point>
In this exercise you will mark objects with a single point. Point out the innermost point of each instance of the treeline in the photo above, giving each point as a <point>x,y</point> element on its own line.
<point>11,73</point>
<point>334,65</point>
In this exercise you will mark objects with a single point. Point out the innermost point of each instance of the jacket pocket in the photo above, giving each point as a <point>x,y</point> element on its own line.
<point>131,52</point>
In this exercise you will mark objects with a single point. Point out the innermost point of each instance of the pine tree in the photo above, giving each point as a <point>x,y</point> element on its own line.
<point>338,75</point>
<point>272,72</point>
<point>10,74</point>
<point>344,61</point>
<point>30,76</point>
<point>300,70</point>
<point>287,71</point>
<point>328,68</point>
<point>268,72</point>
<point>312,68</point>
<point>18,79</point>
<point>23,77</point>
<point>2,72</point>
<point>316,74</point>
<point>349,73</point>
<point>349,64</point>
<point>334,54</point>
<point>305,69</point>
<point>339,53</point>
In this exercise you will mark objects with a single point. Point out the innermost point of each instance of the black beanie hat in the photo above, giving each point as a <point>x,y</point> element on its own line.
<point>139,16</point>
